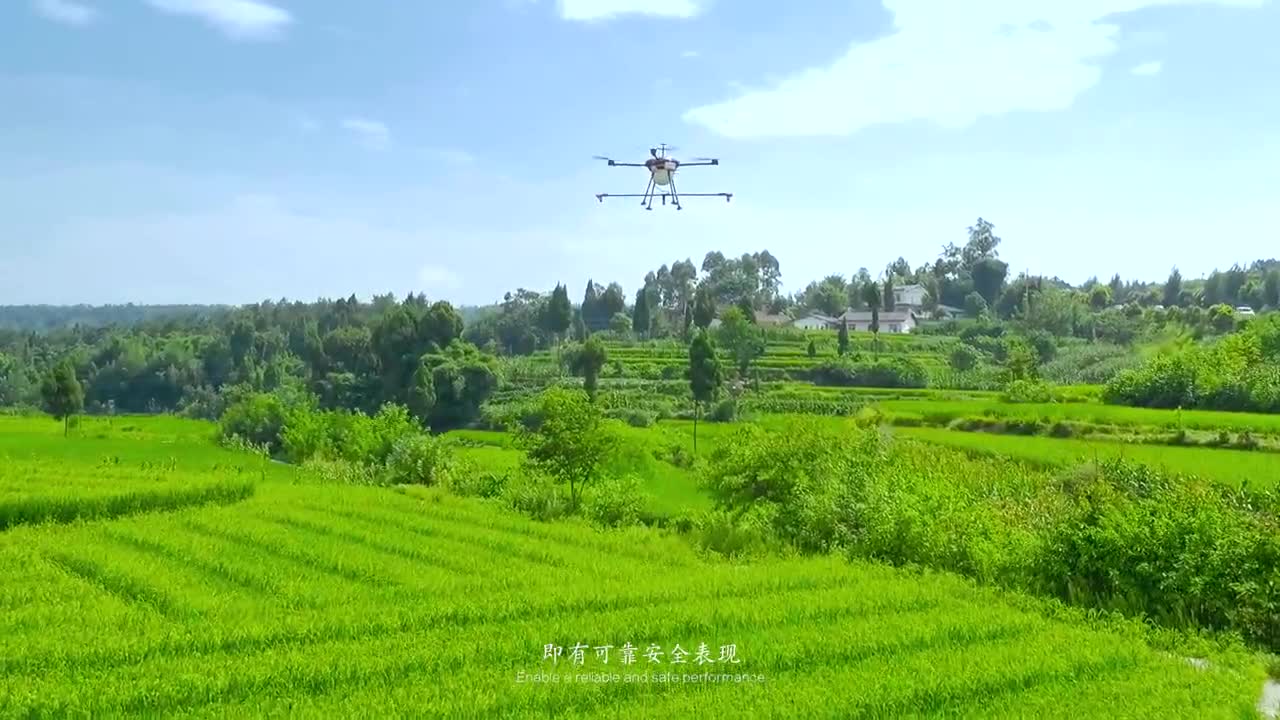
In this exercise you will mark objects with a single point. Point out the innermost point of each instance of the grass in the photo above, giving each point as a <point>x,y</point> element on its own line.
<point>670,489</point>
<point>1234,467</point>
<point>336,601</point>
<point>940,412</point>
<point>116,467</point>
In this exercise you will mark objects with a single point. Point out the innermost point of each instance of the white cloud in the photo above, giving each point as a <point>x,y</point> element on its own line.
<point>1147,68</point>
<point>589,10</point>
<point>945,63</point>
<point>67,12</point>
<point>374,134</point>
<point>238,19</point>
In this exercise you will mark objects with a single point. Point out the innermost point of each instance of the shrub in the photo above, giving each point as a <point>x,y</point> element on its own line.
<point>418,460</point>
<point>537,496</point>
<point>724,411</point>
<point>1027,391</point>
<point>616,502</point>
<point>258,418</point>
<point>895,372</point>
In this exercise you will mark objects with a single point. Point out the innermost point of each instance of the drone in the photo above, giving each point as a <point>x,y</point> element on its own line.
<point>662,172</point>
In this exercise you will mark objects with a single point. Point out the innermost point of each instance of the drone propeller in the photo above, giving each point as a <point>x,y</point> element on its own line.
<point>701,159</point>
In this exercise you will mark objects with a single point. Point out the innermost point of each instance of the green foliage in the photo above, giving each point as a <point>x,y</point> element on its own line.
<point>842,339</point>
<point>61,393</point>
<point>559,312</point>
<point>705,374</point>
<point>588,360</point>
<point>889,372</point>
<point>1240,372</point>
<point>975,305</point>
<point>742,338</point>
<point>704,307</point>
<point>419,459</point>
<point>571,443</point>
<point>1027,391</point>
<point>812,350</point>
<point>641,321</point>
<point>799,484</point>
<point>963,357</point>
<point>615,502</point>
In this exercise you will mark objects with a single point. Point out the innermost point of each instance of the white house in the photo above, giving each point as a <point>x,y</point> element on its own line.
<point>898,321</point>
<point>912,296</point>
<point>814,321</point>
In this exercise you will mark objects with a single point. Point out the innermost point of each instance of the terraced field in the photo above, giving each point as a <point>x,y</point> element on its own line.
<point>115,468</point>
<point>335,601</point>
<point>1258,470</point>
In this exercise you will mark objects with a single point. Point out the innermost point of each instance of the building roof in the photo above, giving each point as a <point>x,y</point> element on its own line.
<point>864,316</point>
<point>765,318</point>
<point>815,316</point>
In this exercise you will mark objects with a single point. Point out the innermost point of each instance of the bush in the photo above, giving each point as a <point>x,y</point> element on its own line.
<point>896,372</point>
<point>615,502</point>
<point>1027,391</point>
<point>537,496</point>
<point>418,460</point>
<point>724,411</point>
<point>468,480</point>
<point>258,418</point>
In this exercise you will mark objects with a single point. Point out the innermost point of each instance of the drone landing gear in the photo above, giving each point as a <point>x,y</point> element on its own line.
<point>675,196</point>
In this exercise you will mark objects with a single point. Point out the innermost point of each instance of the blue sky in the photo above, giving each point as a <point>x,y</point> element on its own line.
<point>236,150</point>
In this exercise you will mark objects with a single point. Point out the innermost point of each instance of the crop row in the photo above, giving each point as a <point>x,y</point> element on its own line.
<point>334,601</point>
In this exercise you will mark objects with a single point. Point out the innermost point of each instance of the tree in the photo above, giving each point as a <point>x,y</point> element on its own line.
<point>62,394</point>
<point>1117,288</point>
<point>748,309</point>
<point>741,338</point>
<point>988,278</point>
<point>1271,289</point>
<point>1021,360</point>
<point>842,339</point>
<point>559,313</point>
<point>621,323</point>
<point>871,295</point>
<point>888,301</point>
<point>1100,298</point>
<point>587,360</point>
<point>704,308</point>
<point>813,348</point>
<point>572,442</point>
<point>975,305</point>
<point>591,308</point>
<point>1173,288</point>
<point>688,320</point>
<point>612,301</point>
<point>640,320</point>
<point>982,244</point>
<point>705,376</point>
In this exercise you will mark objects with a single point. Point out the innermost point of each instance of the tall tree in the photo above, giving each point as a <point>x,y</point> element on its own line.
<point>748,309</point>
<point>1173,288</point>
<point>704,307</point>
<point>62,394</point>
<point>888,301</point>
<point>871,295</point>
<point>982,243</point>
<point>688,321</point>
<point>988,278</point>
<point>1271,289</point>
<point>705,376</point>
<point>640,320</point>
<point>591,307</point>
<point>1117,288</point>
<point>559,312</point>
<point>612,301</point>
<point>842,339</point>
